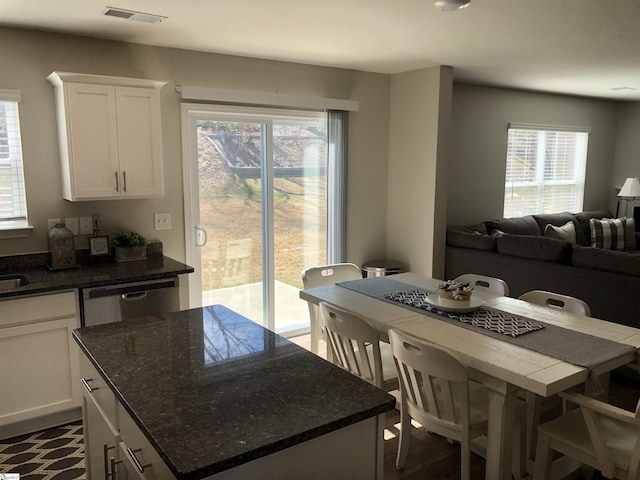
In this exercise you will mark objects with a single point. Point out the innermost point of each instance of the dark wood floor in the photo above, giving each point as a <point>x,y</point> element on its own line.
<point>432,457</point>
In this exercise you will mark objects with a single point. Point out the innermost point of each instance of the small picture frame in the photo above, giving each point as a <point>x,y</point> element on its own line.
<point>99,246</point>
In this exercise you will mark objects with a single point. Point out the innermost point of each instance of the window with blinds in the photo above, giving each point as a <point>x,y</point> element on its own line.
<point>13,203</point>
<point>545,170</point>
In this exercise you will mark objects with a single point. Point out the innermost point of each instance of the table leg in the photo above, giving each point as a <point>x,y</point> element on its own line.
<point>500,439</point>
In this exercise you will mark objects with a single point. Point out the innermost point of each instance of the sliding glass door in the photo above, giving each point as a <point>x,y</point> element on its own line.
<point>256,184</point>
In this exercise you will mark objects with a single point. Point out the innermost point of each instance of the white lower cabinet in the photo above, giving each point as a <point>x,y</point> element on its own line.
<point>115,448</point>
<point>38,362</point>
<point>139,458</point>
<point>99,417</point>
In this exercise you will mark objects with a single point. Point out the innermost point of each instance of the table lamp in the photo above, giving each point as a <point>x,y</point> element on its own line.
<point>630,190</point>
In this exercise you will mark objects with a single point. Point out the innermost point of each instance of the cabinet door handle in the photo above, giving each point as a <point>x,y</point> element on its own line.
<point>117,182</point>
<point>113,463</point>
<point>85,382</point>
<point>134,459</point>
<point>107,461</point>
<point>124,178</point>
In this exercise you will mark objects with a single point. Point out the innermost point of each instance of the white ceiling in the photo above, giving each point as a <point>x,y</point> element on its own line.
<point>582,47</point>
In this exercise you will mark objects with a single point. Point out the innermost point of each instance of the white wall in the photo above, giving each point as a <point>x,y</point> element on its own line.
<point>419,138</point>
<point>479,147</point>
<point>27,57</point>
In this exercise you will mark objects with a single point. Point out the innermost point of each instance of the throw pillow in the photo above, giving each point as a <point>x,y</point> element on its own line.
<point>566,232</point>
<point>629,234</point>
<point>607,233</point>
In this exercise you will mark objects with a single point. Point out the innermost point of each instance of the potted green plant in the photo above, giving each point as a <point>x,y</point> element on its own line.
<point>130,246</point>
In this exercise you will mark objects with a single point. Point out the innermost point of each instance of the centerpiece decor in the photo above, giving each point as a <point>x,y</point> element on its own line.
<point>452,290</point>
<point>130,246</point>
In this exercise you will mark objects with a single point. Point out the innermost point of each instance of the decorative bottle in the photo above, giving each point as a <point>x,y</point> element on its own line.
<point>62,253</point>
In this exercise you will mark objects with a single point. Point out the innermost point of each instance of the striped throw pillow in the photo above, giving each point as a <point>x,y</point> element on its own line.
<point>608,233</point>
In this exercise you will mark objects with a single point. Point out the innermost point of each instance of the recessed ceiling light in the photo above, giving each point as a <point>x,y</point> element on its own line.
<point>132,15</point>
<point>451,5</point>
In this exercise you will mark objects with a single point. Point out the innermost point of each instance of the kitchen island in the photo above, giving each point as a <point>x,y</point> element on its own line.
<point>207,393</point>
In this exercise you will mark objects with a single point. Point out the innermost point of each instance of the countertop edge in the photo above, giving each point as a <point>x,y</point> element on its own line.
<point>49,281</point>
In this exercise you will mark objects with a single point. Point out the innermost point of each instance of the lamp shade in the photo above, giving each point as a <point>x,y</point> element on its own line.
<point>631,188</point>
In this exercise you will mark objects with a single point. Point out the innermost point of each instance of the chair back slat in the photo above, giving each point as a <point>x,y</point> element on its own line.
<point>434,384</point>
<point>354,343</point>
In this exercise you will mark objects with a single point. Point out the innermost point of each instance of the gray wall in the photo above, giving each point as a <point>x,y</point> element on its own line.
<point>627,157</point>
<point>479,145</point>
<point>27,57</point>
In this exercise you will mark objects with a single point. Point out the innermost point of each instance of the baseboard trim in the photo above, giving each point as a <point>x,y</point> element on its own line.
<point>40,423</point>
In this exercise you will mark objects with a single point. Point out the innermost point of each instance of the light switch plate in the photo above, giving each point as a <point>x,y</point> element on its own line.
<point>162,221</point>
<point>86,226</point>
<point>72,224</point>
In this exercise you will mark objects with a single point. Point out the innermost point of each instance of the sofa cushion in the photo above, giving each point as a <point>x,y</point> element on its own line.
<point>463,239</point>
<point>583,223</point>
<point>606,260</point>
<point>515,226</point>
<point>608,233</point>
<point>566,232</point>
<point>477,228</point>
<point>535,247</point>
<point>558,220</point>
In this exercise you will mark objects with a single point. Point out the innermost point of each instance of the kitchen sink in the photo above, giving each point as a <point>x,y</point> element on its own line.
<point>9,282</point>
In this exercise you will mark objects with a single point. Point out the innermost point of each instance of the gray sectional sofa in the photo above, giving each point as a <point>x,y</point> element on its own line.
<point>517,250</point>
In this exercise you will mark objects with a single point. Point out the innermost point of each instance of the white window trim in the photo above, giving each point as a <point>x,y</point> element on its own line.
<point>18,228</point>
<point>539,180</point>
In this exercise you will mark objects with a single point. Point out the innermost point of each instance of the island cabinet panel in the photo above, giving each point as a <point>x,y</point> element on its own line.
<point>351,453</point>
<point>110,136</point>
<point>38,362</point>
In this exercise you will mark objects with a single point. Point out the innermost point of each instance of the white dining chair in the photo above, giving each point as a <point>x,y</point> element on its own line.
<point>323,276</point>
<point>535,403</point>
<point>556,300</point>
<point>437,392</point>
<point>356,347</point>
<point>596,434</point>
<point>493,285</point>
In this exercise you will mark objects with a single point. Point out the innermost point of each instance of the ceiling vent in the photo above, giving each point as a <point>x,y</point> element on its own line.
<point>132,15</point>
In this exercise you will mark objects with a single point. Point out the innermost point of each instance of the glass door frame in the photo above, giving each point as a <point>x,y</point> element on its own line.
<point>194,237</point>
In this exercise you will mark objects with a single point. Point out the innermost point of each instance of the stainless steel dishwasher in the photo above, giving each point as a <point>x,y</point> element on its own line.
<point>114,303</point>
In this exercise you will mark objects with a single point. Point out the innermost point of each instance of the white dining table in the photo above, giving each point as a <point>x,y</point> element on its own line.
<point>503,367</point>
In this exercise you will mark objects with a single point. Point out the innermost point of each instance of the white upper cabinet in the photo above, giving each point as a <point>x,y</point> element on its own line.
<point>110,136</point>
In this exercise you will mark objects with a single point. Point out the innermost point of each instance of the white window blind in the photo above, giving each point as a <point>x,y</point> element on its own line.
<point>545,169</point>
<point>13,204</point>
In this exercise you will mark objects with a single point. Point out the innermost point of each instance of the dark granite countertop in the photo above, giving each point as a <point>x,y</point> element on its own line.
<point>212,390</point>
<point>91,272</point>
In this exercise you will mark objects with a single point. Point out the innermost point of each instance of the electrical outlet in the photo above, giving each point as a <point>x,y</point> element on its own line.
<point>86,226</point>
<point>72,224</point>
<point>52,222</point>
<point>162,221</point>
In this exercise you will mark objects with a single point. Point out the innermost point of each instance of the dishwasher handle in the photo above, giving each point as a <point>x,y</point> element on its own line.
<point>132,297</point>
<point>124,289</point>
